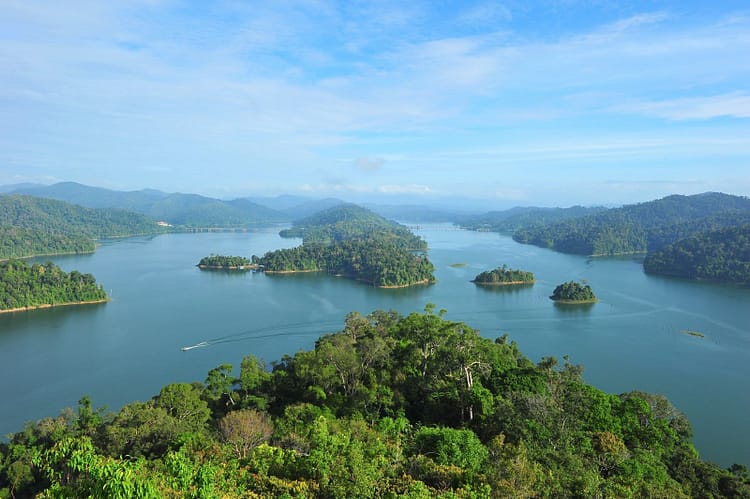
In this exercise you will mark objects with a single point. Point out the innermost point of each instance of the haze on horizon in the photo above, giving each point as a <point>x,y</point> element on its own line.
<point>557,103</point>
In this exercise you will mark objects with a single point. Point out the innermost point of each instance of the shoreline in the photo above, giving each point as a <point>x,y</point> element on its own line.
<point>506,283</point>
<point>292,271</point>
<point>353,278</point>
<point>249,266</point>
<point>51,305</point>
<point>418,283</point>
<point>575,302</point>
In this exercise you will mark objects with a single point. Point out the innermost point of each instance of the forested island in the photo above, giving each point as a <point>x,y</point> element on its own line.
<point>503,276</point>
<point>353,242</point>
<point>32,226</point>
<point>722,255</point>
<point>573,292</point>
<point>225,262</point>
<point>414,406</point>
<point>26,287</point>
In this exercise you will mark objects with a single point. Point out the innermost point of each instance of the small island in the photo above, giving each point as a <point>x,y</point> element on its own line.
<point>503,276</point>
<point>28,287</point>
<point>573,292</point>
<point>222,262</point>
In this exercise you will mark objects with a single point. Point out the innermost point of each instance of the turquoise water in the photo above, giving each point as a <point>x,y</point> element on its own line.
<point>127,349</point>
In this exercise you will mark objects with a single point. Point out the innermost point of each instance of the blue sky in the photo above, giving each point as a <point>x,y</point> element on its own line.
<point>548,103</point>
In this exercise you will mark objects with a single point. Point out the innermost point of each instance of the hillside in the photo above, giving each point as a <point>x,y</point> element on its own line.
<point>349,221</point>
<point>190,210</point>
<point>31,226</point>
<point>391,406</point>
<point>636,228</point>
<point>721,255</point>
<point>513,219</point>
<point>353,242</point>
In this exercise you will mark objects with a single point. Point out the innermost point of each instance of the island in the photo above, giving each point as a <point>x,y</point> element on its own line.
<point>223,262</point>
<point>503,276</point>
<point>573,292</point>
<point>28,287</point>
<point>353,242</point>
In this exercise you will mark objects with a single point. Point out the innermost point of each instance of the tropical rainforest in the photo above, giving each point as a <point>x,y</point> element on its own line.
<point>37,226</point>
<point>504,275</point>
<point>223,262</point>
<point>721,255</point>
<point>354,242</point>
<point>391,406</point>
<point>640,227</point>
<point>573,292</point>
<point>23,285</point>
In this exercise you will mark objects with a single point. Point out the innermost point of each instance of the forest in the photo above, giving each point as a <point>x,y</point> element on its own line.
<point>640,228</point>
<point>349,221</point>
<point>37,226</point>
<point>391,406</point>
<point>509,221</point>
<point>223,262</point>
<point>504,275</point>
<point>721,255</point>
<point>23,285</point>
<point>573,292</point>
<point>353,242</point>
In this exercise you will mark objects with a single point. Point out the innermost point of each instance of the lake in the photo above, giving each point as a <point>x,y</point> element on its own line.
<point>633,339</point>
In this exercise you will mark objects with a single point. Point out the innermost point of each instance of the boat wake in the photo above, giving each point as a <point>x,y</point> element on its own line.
<point>197,345</point>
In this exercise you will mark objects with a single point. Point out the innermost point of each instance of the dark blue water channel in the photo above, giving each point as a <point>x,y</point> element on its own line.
<point>127,349</point>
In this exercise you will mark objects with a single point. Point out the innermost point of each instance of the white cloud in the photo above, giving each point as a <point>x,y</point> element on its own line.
<point>735,105</point>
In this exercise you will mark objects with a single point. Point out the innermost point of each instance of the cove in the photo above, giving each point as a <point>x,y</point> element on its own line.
<point>632,339</point>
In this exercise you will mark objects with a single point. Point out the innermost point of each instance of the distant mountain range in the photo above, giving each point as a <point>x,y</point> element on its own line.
<point>190,210</point>
<point>194,210</point>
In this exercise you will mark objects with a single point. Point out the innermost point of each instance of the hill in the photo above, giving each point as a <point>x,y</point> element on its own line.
<point>32,226</point>
<point>354,242</point>
<point>509,221</point>
<point>721,255</point>
<point>349,221</point>
<point>640,227</point>
<point>391,406</point>
<point>190,210</point>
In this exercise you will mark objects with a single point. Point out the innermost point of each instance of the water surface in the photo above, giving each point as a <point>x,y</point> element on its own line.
<point>127,349</point>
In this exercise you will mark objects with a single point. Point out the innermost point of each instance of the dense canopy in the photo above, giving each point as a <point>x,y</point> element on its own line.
<point>415,406</point>
<point>23,285</point>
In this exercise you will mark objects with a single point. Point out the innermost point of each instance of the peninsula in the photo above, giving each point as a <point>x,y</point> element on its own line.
<point>29,287</point>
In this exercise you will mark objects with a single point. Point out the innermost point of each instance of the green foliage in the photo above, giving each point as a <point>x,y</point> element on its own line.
<point>391,406</point>
<point>524,217</point>
<point>224,262</point>
<point>23,285</point>
<point>573,291</point>
<point>640,227</point>
<point>354,242</point>
<point>37,226</point>
<point>349,221</point>
<point>504,275</point>
<point>722,255</point>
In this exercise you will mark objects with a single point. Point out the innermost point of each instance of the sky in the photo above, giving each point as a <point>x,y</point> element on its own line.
<point>549,102</point>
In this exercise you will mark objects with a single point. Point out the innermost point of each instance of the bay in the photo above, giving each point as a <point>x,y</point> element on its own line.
<point>633,339</point>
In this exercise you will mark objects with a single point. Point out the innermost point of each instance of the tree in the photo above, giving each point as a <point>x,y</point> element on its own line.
<point>245,429</point>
